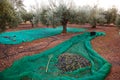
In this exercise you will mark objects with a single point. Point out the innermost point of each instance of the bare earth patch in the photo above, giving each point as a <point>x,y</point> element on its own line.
<point>107,46</point>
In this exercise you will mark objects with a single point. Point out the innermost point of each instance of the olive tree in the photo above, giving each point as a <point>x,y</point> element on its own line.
<point>110,15</point>
<point>8,16</point>
<point>19,8</point>
<point>96,17</point>
<point>27,16</point>
<point>58,13</point>
<point>88,14</point>
<point>117,21</point>
<point>81,15</point>
<point>36,14</point>
<point>62,15</point>
<point>45,16</point>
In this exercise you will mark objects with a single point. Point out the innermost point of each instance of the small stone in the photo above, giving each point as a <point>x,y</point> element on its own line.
<point>21,47</point>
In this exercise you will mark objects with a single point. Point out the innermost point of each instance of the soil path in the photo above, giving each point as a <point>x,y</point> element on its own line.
<point>107,46</point>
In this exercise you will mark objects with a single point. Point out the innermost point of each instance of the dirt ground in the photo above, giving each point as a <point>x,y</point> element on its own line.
<point>107,46</point>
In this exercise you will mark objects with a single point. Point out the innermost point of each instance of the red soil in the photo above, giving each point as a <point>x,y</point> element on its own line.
<point>107,46</point>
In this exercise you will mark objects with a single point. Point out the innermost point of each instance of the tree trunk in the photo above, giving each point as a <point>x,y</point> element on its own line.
<point>94,24</point>
<point>64,22</point>
<point>64,28</point>
<point>32,23</point>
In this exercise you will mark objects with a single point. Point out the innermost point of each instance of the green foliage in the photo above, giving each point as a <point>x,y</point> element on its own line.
<point>36,14</point>
<point>62,13</point>
<point>36,20</point>
<point>83,14</point>
<point>58,14</point>
<point>82,17</point>
<point>27,16</point>
<point>93,16</point>
<point>79,15</point>
<point>110,15</point>
<point>19,9</point>
<point>17,4</point>
<point>87,14</point>
<point>73,16</point>
<point>96,17</point>
<point>101,19</point>
<point>8,16</point>
<point>117,21</point>
<point>44,17</point>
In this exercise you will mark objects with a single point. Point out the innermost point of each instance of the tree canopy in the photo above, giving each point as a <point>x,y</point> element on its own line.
<point>8,16</point>
<point>58,13</point>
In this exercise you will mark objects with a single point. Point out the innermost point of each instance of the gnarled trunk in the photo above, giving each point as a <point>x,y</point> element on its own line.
<point>32,23</point>
<point>64,28</point>
<point>94,23</point>
<point>64,23</point>
<point>94,26</point>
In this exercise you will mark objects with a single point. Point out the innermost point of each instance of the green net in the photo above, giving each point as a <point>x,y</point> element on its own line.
<point>17,37</point>
<point>42,66</point>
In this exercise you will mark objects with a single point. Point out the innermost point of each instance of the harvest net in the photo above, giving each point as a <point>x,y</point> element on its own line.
<point>42,66</point>
<point>17,37</point>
